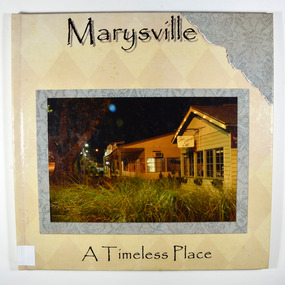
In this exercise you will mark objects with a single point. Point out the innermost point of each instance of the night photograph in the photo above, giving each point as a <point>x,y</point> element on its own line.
<point>142,159</point>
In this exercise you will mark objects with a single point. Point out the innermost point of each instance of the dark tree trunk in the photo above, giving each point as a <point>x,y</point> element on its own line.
<point>64,170</point>
<point>74,121</point>
<point>65,159</point>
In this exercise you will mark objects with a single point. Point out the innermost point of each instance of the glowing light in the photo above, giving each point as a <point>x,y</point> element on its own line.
<point>96,149</point>
<point>86,144</point>
<point>112,108</point>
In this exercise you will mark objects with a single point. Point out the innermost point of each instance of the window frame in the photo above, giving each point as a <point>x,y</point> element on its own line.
<point>176,166</point>
<point>153,165</point>
<point>210,163</point>
<point>207,163</point>
<point>219,162</point>
<point>200,163</point>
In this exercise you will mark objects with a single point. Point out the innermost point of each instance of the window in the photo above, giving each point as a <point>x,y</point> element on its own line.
<point>150,165</point>
<point>200,172</point>
<point>219,162</point>
<point>210,163</point>
<point>173,164</point>
<point>155,164</point>
<point>191,164</point>
<point>213,163</point>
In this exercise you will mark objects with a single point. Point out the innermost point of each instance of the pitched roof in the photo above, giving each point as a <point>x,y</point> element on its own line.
<point>226,113</point>
<point>223,116</point>
<point>131,146</point>
<point>147,139</point>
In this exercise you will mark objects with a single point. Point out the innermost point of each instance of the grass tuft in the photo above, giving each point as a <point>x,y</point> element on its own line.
<point>134,200</point>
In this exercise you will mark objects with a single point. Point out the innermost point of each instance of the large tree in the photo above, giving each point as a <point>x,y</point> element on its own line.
<point>71,123</point>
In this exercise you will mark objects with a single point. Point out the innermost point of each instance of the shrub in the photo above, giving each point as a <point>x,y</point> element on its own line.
<point>217,183</point>
<point>91,168</point>
<point>198,181</point>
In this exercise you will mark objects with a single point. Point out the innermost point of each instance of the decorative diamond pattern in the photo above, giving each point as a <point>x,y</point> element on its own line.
<point>48,63</point>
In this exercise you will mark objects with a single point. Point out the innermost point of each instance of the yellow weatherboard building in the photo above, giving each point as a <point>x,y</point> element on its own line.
<point>211,156</point>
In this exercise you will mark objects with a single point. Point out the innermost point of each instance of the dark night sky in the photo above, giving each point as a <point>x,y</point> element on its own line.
<point>135,119</point>
<point>140,118</point>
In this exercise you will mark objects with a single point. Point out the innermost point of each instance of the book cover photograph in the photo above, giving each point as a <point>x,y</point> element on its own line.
<point>143,141</point>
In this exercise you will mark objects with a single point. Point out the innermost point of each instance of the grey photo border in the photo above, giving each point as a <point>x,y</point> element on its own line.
<point>48,227</point>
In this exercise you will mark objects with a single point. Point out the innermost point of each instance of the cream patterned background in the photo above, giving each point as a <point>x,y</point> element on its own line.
<point>42,60</point>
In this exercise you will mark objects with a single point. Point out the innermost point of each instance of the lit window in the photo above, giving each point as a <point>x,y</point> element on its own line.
<point>155,164</point>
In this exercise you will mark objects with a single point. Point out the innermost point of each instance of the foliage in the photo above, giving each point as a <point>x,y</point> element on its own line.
<point>217,183</point>
<point>198,181</point>
<point>92,168</point>
<point>139,200</point>
<point>49,110</point>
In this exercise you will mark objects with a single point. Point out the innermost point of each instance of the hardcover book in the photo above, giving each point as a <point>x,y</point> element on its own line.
<point>143,141</point>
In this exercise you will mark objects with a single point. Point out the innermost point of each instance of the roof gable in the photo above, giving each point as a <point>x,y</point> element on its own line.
<point>224,117</point>
<point>226,114</point>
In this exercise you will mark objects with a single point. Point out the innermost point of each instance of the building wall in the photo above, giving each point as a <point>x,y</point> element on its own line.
<point>234,167</point>
<point>151,146</point>
<point>208,137</point>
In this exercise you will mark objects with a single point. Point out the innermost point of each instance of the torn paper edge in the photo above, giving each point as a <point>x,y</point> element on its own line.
<point>228,54</point>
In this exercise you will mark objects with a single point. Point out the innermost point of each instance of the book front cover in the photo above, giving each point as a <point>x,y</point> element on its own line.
<point>143,141</point>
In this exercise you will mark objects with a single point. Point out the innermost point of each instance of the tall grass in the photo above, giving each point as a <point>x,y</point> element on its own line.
<point>139,200</point>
